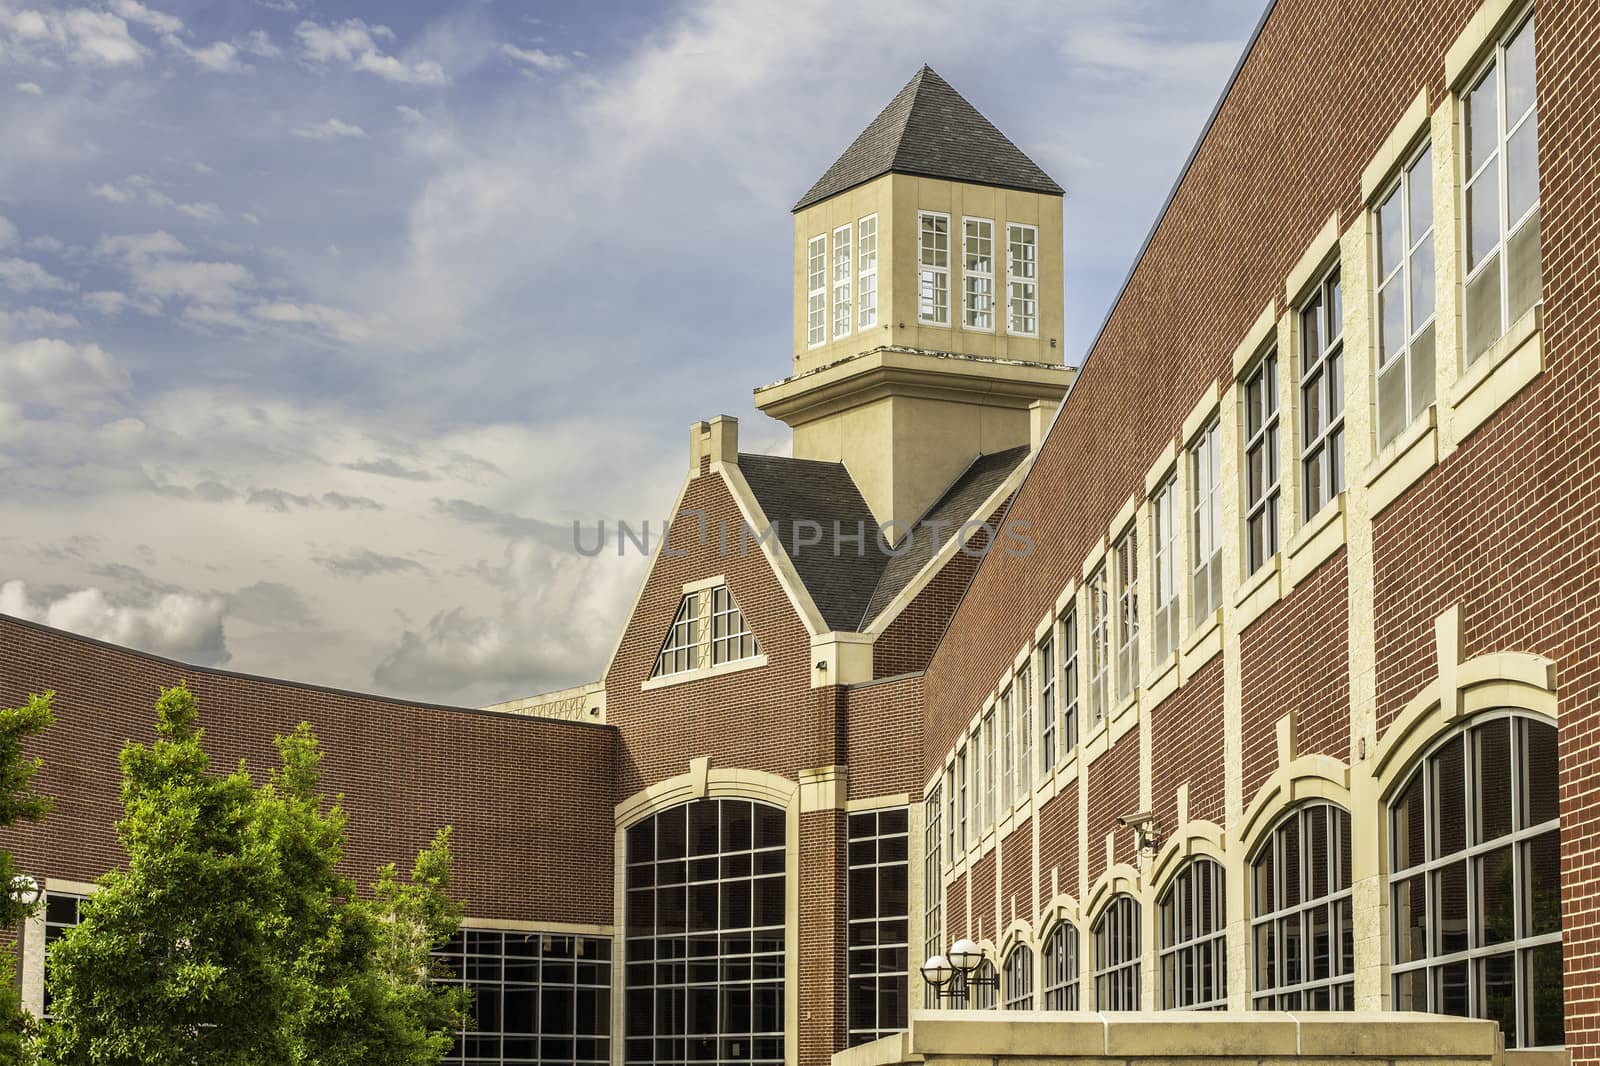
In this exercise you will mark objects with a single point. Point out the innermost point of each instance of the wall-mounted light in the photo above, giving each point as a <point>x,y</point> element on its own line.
<point>954,973</point>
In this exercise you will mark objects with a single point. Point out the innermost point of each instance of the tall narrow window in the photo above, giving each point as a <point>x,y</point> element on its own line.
<point>952,796</point>
<point>1023,694</point>
<point>878,905</point>
<point>933,270</point>
<point>1194,939</point>
<point>1048,753</point>
<point>1475,896</point>
<point>843,261</point>
<point>1205,522</point>
<point>1127,614</point>
<point>963,810</point>
<point>1098,604</point>
<point>982,993</point>
<point>681,650</point>
<point>1404,249</point>
<point>1303,938</point>
<point>731,639</point>
<point>1060,963</point>
<point>1500,121</point>
<point>705,922</point>
<point>1261,463</point>
<point>1164,574</point>
<point>979,776</point>
<point>1322,396</point>
<point>62,911</point>
<point>1116,955</point>
<point>977,273</point>
<point>1022,279</point>
<point>1008,751</point>
<point>990,807</point>
<point>1068,635</point>
<point>932,889</point>
<point>1019,978</point>
<point>867,264</point>
<point>816,291</point>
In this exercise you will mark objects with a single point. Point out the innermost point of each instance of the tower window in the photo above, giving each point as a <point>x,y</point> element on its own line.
<point>867,261</point>
<point>977,272</point>
<point>933,268</point>
<point>816,290</point>
<point>842,262</point>
<point>1022,279</point>
<point>1501,122</point>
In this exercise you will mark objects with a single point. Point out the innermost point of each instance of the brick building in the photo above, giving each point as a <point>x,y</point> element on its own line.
<point>1246,668</point>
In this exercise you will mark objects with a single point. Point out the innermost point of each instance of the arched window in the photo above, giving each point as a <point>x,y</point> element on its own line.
<point>1116,956</point>
<point>1475,887</point>
<point>1019,978</point>
<point>705,938</point>
<point>982,992</point>
<point>1194,939</point>
<point>1303,937</point>
<point>1060,959</point>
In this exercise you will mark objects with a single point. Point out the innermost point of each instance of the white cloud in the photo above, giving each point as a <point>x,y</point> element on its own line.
<point>135,246</point>
<point>56,374</point>
<point>159,21</point>
<point>260,43</point>
<point>330,129</point>
<point>330,320</point>
<point>79,36</point>
<point>219,57</point>
<point>36,320</point>
<point>354,43</point>
<point>25,276</point>
<point>156,264</point>
<point>210,214</point>
<point>107,302</point>
<point>8,232</point>
<point>538,59</point>
<point>178,624</point>
<point>114,193</point>
<point>29,88</point>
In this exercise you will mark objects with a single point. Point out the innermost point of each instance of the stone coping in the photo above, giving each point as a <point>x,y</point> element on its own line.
<point>1126,1036</point>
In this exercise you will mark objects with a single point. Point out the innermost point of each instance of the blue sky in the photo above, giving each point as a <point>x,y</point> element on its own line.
<point>320,323</point>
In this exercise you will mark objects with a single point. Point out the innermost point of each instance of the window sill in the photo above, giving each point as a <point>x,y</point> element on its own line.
<point>1509,365</point>
<point>1163,682</point>
<point>1259,592</point>
<point>1201,646</point>
<point>703,673</point>
<point>1402,462</point>
<point>1315,541</point>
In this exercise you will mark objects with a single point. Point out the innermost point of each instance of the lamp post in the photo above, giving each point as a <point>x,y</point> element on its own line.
<point>25,890</point>
<point>954,974</point>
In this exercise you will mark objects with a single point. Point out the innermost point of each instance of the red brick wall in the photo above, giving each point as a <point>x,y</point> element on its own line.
<point>1296,657</point>
<point>530,799</point>
<point>884,738</point>
<point>1058,843</point>
<point>1016,876</point>
<point>982,877</point>
<point>824,1007</point>
<point>1113,791</point>
<point>767,718</point>
<point>1186,745</point>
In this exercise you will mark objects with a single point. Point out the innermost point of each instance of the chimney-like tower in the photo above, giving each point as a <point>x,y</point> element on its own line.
<point>928,306</point>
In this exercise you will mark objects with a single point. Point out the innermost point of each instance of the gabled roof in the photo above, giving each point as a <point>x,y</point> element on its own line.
<point>943,521</point>
<point>854,585</point>
<point>808,490</point>
<point>930,130</point>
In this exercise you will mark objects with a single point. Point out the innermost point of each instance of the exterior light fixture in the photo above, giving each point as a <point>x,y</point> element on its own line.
<point>25,890</point>
<point>954,974</point>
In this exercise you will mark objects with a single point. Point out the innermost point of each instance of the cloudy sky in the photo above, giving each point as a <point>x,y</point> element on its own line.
<point>320,322</point>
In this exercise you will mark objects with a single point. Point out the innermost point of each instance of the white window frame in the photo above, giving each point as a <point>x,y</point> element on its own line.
<point>1023,695</point>
<point>1019,978</point>
<point>1401,276</point>
<point>1262,435</point>
<point>1126,552</point>
<point>933,270</point>
<point>1118,948</point>
<point>1322,375</point>
<point>681,649</point>
<point>843,262</point>
<point>1507,127</point>
<point>1164,517</point>
<point>731,638</point>
<point>817,291</point>
<point>1194,937</point>
<point>867,271</point>
<point>1049,752</point>
<point>1279,918</point>
<point>1022,279</point>
<point>1205,522</point>
<point>991,810</point>
<point>977,285</point>
<point>1059,961</point>
<point>1097,604</point>
<point>877,930</point>
<point>1008,750</point>
<point>1067,656</point>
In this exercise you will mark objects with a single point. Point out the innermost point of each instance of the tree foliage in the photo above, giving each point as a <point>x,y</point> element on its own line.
<point>231,937</point>
<point>18,803</point>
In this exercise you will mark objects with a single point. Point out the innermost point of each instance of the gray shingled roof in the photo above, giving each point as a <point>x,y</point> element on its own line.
<point>852,588</point>
<point>943,521</point>
<point>929,129</point>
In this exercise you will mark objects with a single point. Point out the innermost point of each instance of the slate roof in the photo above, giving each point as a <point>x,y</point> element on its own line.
<point>931,130</point>
<point>851,587</point>
<point>943,521</point>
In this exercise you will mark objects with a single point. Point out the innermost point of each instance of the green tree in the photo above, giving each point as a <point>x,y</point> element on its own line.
<point>232,937</point>
<point>18,803</point>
